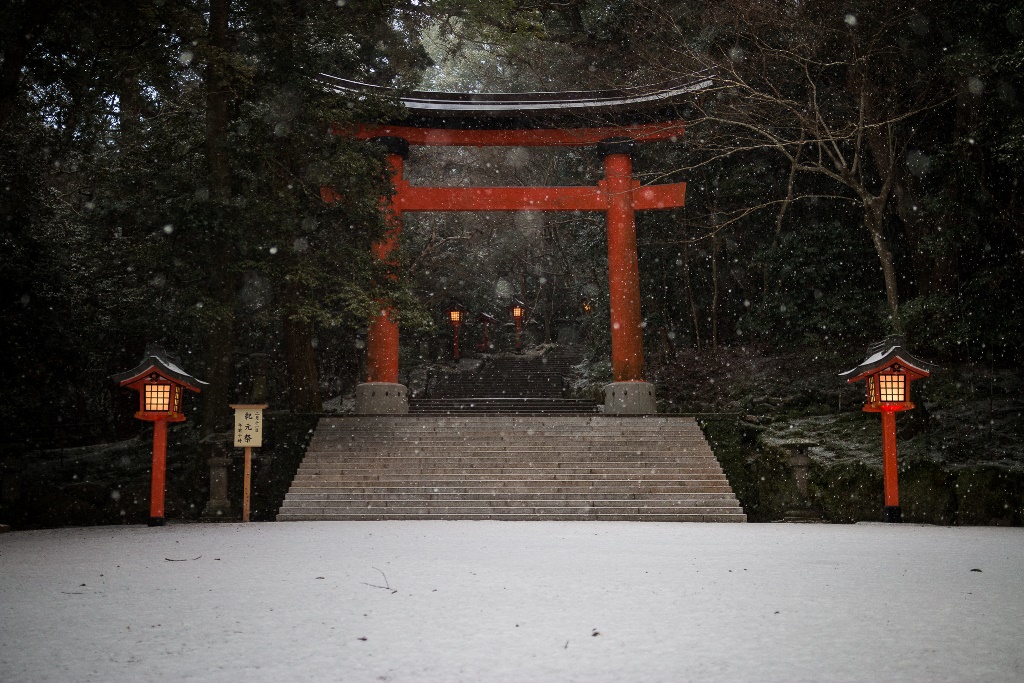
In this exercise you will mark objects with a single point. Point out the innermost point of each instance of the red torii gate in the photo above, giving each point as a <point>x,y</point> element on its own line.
<point>618,195</point>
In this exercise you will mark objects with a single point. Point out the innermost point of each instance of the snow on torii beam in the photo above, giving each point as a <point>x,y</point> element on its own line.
<point>670,131</point>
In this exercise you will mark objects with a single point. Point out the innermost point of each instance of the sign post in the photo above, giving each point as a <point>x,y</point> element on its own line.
<point>248,435</point>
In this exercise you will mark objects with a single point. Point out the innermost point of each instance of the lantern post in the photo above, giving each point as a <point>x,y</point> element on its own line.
<point>887,373</point>
<point>160,382</point>
<point>485,320</point>
<point>518,311</point>
<point>456,316</point>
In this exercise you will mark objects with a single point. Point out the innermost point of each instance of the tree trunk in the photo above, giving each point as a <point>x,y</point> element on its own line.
<point>217,102</point>
<point>220,337</point>
<point>874,218</point>
<point>300,359</point>
<point>689,295</point>
<point>714,293</point>
<point>219,351</point>
<point>129,101</point>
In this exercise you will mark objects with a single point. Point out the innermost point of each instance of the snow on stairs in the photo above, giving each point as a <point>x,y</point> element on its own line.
<point>651,468</point>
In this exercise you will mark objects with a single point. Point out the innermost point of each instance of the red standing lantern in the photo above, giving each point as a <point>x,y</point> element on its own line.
<point>518,311</point>
<point>887,372</point>
<point>456,316</point>
<point>161,382</point>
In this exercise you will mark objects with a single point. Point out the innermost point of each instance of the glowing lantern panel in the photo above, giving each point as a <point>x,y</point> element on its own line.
<point>157,398</point>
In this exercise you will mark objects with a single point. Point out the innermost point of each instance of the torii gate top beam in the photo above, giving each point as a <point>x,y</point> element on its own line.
<point>532,119</point>
<point>538,105</point>
<point>531,137</point>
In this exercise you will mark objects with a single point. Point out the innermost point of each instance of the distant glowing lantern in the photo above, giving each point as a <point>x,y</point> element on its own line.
<point>518,310</point>
<point>456,316</point>
<point>887,372</point>
<point>587,305</point>
<point>160,381</point>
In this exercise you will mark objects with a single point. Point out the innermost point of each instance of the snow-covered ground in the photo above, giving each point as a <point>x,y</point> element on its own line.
<point>498,601</point>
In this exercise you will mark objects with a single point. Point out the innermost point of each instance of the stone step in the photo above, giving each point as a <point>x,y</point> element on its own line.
<point>509,424</point>
<point>617,420</point>
<point>544,487</point>
<point>578,485</point>
<point>468,408</point>
<point>440,476</point>
<point>593,440</point>
<point>335,450</point>
<point>535,505</point>
<point>449,479</point>
<point>423,493</point>
<point>510,467</point>
<point>458,514</point>
<point>516,410</point>
<point>580,446</point>
<point>514,426</point>
<point>527,437</point>
<point>465,455</point>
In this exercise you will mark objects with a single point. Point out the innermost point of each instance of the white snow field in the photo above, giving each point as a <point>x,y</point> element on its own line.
<point>523,601</point>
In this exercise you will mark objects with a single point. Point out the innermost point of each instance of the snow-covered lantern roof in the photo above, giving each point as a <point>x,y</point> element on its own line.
<point>485,318</point>
<point>159,379</point>
<point>888,371</point>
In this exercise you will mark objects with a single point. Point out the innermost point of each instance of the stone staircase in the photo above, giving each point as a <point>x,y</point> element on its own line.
<point>516,384</point>
<point>511,467</point>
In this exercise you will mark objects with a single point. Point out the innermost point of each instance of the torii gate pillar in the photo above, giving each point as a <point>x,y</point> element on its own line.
<point>381,393</point>
<point>628,393</point>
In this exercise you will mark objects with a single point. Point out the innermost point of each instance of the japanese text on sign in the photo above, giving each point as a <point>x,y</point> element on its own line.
<point>249,426</point>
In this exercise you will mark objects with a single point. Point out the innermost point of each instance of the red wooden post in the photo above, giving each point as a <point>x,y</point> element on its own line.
<point>382,338</point>
<point>889,471</point>
<point>519,333</point>
<point>159,481</point>
<point>623,264</point>
<point>456,326</point>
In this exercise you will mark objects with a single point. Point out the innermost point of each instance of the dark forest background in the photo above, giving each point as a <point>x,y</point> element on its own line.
<point>855,170</point>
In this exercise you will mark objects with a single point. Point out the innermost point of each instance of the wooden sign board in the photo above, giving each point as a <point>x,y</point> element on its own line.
<point>249,425</point>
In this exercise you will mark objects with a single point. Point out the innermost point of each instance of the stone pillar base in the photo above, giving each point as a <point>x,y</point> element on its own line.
<point>382,398</point>
<point>629,398</point>
<point>218,506</point>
